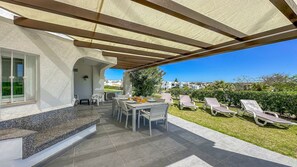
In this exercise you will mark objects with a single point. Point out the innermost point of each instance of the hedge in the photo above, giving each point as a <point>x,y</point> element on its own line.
<point>281,102</point>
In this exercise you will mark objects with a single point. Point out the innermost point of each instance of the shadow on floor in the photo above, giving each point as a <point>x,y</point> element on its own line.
<point>113,145</point>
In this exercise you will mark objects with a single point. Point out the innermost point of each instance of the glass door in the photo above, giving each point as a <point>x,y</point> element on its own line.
<point>18,79</point>
<point>12,76</point>
<point>6,79</point>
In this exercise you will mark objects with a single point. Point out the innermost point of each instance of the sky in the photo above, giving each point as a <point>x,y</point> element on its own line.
<point>253,62</point>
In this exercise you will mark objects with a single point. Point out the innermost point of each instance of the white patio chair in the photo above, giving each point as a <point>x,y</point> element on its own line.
<point>156,113</point>
<point>96,98</point>
<point>124,110</point>
<point>123,96</point>
<point>76,100</point>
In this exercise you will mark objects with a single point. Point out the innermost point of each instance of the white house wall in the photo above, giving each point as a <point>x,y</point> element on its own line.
<point>57,57</point>
<point>83,87</point>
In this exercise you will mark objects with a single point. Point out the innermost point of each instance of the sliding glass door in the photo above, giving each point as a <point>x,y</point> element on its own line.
<point>6,79</point>
<point>18,77</point>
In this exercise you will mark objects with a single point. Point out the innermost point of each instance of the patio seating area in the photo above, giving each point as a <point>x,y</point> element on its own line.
<point>185,144</point>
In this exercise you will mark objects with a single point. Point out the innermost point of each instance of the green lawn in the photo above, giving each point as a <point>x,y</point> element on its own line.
<point>111,90</point>
<point>283,141</point>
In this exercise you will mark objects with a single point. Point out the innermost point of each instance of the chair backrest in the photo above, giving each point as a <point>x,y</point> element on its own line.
<point>122,96</point>
<point>110,95</point>
<point>251,105</point>
<point>76,97</point>
<point>185,98</point>
<point>123,105</point>
<point>161,100</point>
<point>167,97</point>
<point>96,96</point>
<point>212,102</point>
<point>159,110</point>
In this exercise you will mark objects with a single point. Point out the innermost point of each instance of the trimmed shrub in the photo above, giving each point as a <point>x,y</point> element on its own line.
<point>281,102</point>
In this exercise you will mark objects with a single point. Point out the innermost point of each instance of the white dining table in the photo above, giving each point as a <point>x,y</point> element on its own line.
<point>140,106</point>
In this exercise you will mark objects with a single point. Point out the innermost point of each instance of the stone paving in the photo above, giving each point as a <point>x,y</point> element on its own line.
<point>185,144</point>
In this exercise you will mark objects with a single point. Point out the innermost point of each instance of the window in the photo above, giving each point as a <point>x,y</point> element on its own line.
<point>18,76</point>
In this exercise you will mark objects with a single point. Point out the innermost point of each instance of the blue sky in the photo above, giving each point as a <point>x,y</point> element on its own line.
<point>254,62</point>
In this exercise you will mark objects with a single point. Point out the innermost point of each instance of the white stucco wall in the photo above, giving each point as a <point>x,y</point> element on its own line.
<point>83,87</point>
<point>57,57</point>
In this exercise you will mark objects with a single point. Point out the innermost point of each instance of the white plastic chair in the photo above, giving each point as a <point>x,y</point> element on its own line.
<point>96,98</point>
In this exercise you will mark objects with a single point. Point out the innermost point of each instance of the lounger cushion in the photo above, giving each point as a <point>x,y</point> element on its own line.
<point>272,118</point>
<point>223,110</point>
<point>188,104</point>
<point>212,102</point>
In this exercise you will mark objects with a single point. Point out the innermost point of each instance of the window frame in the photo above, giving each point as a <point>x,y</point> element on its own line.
<point>12,101</point>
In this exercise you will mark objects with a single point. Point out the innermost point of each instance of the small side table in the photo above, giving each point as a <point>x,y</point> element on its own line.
<point>84,101</point>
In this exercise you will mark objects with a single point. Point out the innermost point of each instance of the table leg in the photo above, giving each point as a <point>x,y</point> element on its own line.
<point>134,119</point>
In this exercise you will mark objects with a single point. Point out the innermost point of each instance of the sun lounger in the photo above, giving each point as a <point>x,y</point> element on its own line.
<point>185,101</point>
<point>263,117</point>
<point>167,97</point>
<point>216,107</point>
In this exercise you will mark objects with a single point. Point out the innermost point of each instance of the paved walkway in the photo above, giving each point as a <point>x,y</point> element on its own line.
<point>185,144</point>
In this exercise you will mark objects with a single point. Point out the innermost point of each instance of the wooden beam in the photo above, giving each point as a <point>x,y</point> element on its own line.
<point>122,63</point>
<point>174,9</point>
<point>128,56</point>
<point>119,49</point>
<point>99,18</point>
<point>29,23</point>
<point>121,67</point>
<point>134,60</point>
<point>288,8</point>
<point>272,36</point>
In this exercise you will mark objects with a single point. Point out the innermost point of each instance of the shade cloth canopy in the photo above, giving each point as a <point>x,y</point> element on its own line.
<point>146,33</point>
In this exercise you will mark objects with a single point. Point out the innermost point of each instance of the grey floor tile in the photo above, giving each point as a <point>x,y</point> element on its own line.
<point>166,143</point>
<point>105,160</point>
<point>113,145</point>
<point>93,145</point>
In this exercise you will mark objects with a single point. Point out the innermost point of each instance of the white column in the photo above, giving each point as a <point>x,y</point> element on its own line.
<point>127,85</point>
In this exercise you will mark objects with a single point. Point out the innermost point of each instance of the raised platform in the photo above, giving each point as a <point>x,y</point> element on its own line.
<point>39,132</point>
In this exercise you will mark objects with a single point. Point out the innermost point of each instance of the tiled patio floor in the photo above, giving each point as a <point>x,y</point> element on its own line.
<point>185,144</point>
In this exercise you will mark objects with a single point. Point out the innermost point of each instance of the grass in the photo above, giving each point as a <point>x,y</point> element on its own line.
<point>111,90</point>
<point>283,141</point>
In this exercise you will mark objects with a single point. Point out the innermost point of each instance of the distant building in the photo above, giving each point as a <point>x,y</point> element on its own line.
<point>170,84</point>
<point>118,83</point>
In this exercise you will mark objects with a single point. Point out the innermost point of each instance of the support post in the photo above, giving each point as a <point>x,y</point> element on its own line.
<point>127,85</point>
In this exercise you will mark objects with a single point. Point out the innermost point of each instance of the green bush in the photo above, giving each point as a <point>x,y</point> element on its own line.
<point>281,102</point>
<point>176,91</point>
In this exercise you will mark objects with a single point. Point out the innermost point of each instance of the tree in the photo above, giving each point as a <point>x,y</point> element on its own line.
<point>275,78</point>
<point>220,85</point>
<point>175,80</point>
<point>293,78</point>
<point>280,82</point>
<point>147,81</point>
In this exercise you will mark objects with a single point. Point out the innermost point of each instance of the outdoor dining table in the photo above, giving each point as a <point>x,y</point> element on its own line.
<point>140,106</point>
<point>134,106</point>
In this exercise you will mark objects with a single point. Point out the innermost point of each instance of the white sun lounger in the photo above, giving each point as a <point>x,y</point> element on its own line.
<point>216,107</point>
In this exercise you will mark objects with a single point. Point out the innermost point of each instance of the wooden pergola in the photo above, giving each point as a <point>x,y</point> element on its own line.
<point>147,33</point>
